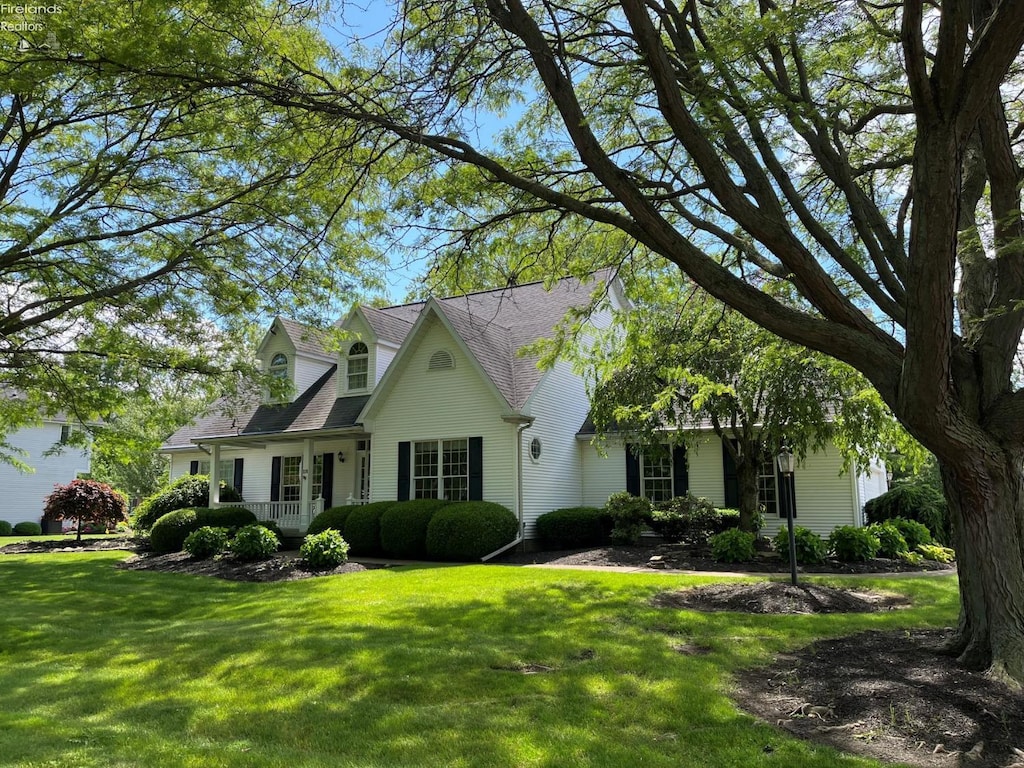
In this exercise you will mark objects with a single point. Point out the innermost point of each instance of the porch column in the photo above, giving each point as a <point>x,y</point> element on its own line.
<point>306,488</point>
<point>214,478</point>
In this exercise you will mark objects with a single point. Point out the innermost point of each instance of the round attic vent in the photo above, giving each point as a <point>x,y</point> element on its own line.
<point>440,360</point>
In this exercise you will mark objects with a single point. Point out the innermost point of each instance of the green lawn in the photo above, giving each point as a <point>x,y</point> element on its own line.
<point>406,667</point>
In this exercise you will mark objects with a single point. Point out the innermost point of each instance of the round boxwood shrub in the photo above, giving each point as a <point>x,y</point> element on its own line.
<point>168,534</point>
<point>468,530</point>
<point>362,528</point>
<point>573,528</point>
<point>913,532</point>
<point>891,541</point>
<point>688,518</point>
<point>206,542</point>
<point>912,501</point>
<point>629,515</point>
<point>326,549</point>
<point>5,528</point>
<point>27,528</point>
<point>185,492</point>
<point>332,518</point>
<point>811,549</point>
<point>851,544</point>
<point>403,527</point>
<point>254,542</point>
<point>732,546</point>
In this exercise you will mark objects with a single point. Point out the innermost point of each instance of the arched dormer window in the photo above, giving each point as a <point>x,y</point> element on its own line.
<point>279,366</point>
<point>358,366</point>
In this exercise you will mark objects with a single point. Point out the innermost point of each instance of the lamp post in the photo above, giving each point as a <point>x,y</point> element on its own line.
<point>786,462</point>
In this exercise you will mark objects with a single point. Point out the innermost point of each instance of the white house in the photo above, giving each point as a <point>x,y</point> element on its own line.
<point>437,394</point>
<point>25,492</point>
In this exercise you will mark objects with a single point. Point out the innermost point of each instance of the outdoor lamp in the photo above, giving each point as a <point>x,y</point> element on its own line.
<point>786,461</point>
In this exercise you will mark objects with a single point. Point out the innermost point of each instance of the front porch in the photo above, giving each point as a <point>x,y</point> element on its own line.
<point>292,517</point>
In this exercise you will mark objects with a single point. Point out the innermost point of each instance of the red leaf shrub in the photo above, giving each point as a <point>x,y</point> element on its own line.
<point>86,501</point>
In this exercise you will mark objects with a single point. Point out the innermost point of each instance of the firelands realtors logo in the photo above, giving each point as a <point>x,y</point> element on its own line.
<point>25,18</point>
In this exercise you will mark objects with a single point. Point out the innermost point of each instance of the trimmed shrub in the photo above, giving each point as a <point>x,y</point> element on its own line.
<point>890,539</point>
<point>730,518</point>
<point>913,532</point>
<point>332,518</point>
<point>403,527</point>
<point>811,549</point>
<point>254,542</point>
<point>629,515</point>
<point>936,552</point>
<point>362,528</point>
<point>691,519</point>
<point>468,530</point>
<point>574,527</point>
<point>168,534</point>
<point>27,528</point>
<point>326,549</point>
<point>912,501</point>
<point>732,546</point>
<point>207,541</point>
<point>851,544</point>
<point>5,528</point>
<point>185,492</point>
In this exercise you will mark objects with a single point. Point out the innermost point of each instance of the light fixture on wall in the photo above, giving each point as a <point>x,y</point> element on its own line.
<point>341,457</point>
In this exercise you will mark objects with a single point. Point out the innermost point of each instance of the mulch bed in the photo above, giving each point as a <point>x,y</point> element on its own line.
<point>887,695</point>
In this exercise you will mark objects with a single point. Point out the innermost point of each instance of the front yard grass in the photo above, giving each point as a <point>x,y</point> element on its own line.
<point>431,666</point>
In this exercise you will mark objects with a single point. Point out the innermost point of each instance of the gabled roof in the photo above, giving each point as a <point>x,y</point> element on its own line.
<point>306,339</point>
<point>315,409</point>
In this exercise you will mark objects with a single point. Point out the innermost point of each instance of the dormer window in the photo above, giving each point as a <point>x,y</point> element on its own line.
<point>358,366</point>
<point>279,367</point>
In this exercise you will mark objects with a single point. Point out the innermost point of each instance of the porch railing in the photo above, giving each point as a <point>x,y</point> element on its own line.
<point>289,515</point>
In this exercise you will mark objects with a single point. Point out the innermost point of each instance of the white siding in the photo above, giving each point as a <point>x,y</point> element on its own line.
<point>278,343</point>
<point>825,498</point>
<point>559,407</point>
<point>25,493</point>
<point>307,371</point>
<point>383,355</point>
<point>602,475</point>
<point>437,405</point>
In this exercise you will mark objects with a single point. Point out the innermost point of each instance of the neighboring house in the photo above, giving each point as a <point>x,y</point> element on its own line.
<point>438,396</point>
<point>25,492</point>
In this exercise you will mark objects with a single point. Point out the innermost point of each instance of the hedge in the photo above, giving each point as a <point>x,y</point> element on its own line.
<point>468,530</point>
<point>403,527</point>
<point>912,501</point>
<point>573,528</point>
<point>362,529</point>
<point>185,492</point>
<point>27,528</point>
<point>332,518</point>
<point>168,534</point>
<point>6,528</point>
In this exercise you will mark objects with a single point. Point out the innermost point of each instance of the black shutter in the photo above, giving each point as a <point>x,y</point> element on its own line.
<point>237,479</point>
<point>632,471</point>
<point>476,469</point>
<point>193,467</point>
<point>732,482</point>
<point>327,480</point>
<point>680,476</point>
<point>404,462</point>
<point>275,478</point>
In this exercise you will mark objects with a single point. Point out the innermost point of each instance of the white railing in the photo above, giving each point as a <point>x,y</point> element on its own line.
<point>353,501</point>
<point>289,515</point>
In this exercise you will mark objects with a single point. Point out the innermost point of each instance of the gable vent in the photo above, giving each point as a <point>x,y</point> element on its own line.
<point>440,360</point>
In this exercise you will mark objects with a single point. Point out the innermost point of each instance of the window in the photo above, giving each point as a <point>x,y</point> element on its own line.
<point>225,469</point>
<point>535,449</point>
<point>291,478</point>
<point>656,482</point>
<point>318,476</point>
<point>441,469</point>
<point>279,366</point>
<point>65,433</point>
<point>358,365</point>
<point>768,489</point>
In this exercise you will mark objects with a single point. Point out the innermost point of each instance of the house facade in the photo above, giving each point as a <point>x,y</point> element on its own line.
<point>25,492</point>
<point>435,399</point>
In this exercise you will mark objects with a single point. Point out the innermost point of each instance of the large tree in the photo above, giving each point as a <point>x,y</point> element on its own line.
<point>144,226</point>
<point>679,360</point>
<point>867,155</point>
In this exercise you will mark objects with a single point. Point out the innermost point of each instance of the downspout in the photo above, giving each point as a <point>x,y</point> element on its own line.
<point>524,423</point>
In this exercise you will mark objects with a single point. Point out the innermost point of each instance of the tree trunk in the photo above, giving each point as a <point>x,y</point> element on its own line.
<point>984,494</point>
<point>746,480</point>
<point>79,537</point>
